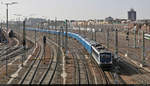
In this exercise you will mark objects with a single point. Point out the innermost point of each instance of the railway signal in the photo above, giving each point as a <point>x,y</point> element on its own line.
<point>127,36</point>
<point>44,44</point>
<point>24,40</point>
<point>24,37</point>
<point>44,39</point>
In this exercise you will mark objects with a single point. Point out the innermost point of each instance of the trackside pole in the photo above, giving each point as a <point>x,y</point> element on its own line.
<point>79,30</point>
<point>62,37</point>
<point>128,37</point>
<point>44,44</point>
<point>143,49</point>
<point>95,34</point>
<point>116,56</point>
<point>24,41</point>
<point>134,37</point>
<point>56,28</point>
<point>35,36</point>
<point>116,43</point>
<point>107,38</point>
<point>6,65</point>
<point>66,37</point>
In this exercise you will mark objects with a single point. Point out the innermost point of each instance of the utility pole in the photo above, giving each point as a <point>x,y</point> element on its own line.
<point>84,28</point>
<point>56,28</point>
<point>79,30</point>
<point>107,38</point>
<point>59,40</point>
<point>116,56</point>
<point>138,37</point>
<point>135,37</point>
<point>95,30</point>
<point>66,37</point>
<point>35,33</point>
<point>1,24</point>
<point>116,43</point>
<point>42,26</point>
<point>95,34</point>
<point>143,49</point>
<point>63,37</point>
<point>92,33</point>
<point>61,30</point>
<point>1,32</point>
<point>6,65</point>
<point>91,30</point>
<point>7,16</point>
<point>48,26</point>
<point>7,11</point>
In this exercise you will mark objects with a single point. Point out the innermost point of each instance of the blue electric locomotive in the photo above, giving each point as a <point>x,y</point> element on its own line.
<point>100,54</point>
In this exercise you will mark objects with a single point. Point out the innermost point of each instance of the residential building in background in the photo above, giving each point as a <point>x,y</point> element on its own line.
<point>132,15</point>
<point>109,19</point>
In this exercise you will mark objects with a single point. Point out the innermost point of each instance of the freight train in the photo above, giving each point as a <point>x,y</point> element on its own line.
<point>100,54</point>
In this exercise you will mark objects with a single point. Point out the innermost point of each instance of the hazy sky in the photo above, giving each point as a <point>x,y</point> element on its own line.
<point>77,9</point>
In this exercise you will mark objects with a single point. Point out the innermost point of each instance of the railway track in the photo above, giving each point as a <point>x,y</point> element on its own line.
<point>13,52</point>
<point>10,52</point>
<point>40,72</point>
<point>30,68</point>
<point>83,77</point>
<point>83,71</point>
<point>77,69</point>
<point>49,74</point>
<point>48,69</point>
<point>107,76</point>
<point>122,52</point>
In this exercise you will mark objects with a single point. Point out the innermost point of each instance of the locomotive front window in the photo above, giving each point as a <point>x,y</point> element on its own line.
<point>105,55</point>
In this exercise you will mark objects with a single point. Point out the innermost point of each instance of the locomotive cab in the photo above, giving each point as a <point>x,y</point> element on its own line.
<point>106,59</point>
